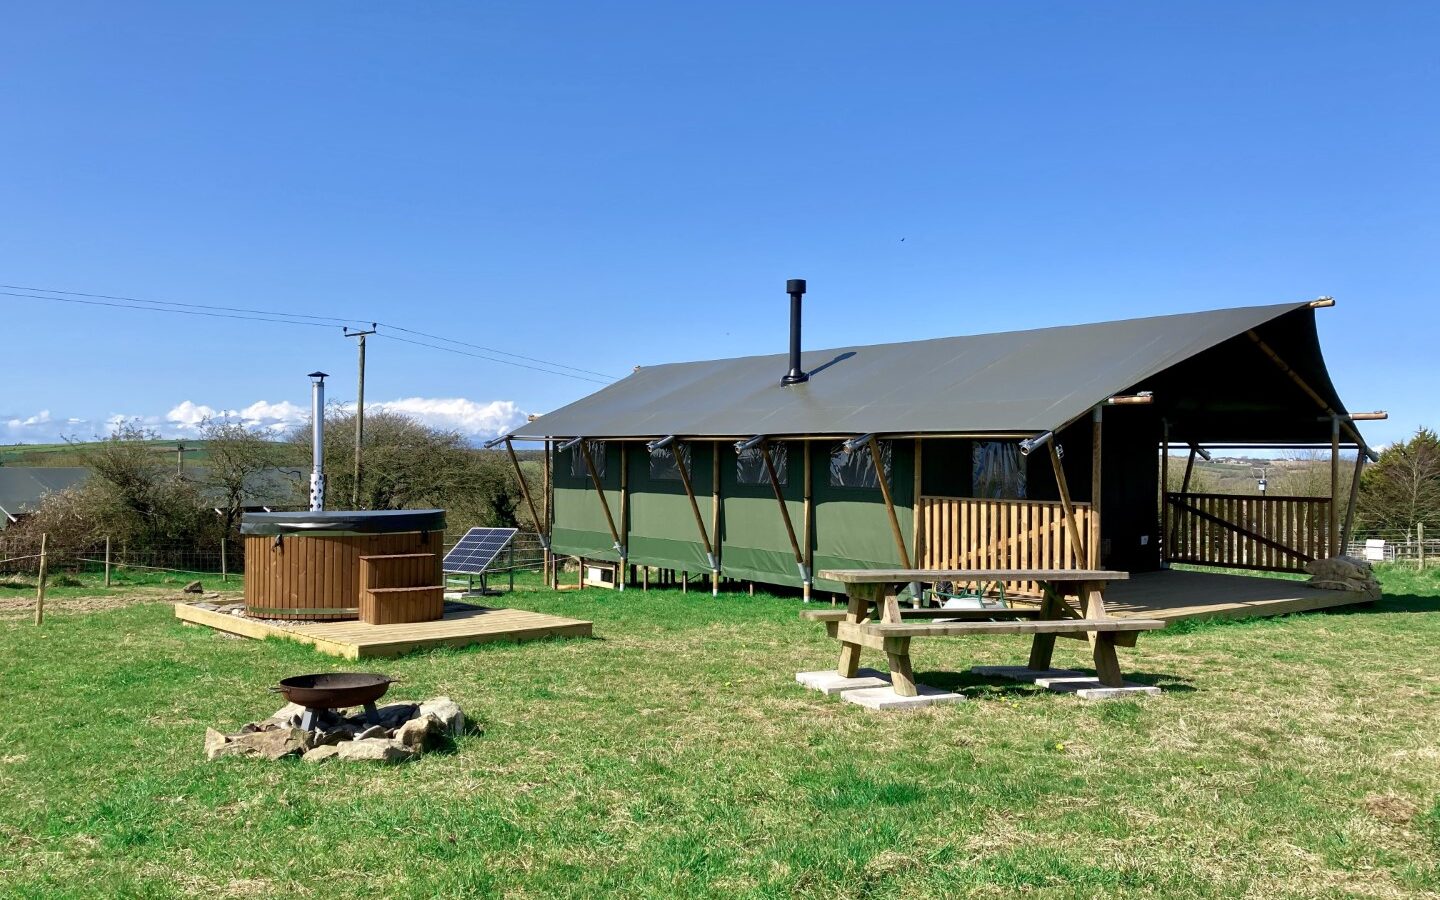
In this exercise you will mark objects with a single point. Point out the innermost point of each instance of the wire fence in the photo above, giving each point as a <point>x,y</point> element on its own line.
<point>1417,546</point>
<point>21,556</point>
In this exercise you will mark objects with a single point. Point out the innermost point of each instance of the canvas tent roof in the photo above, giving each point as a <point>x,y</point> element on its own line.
<point>21,487</point>
<point>1019,382</point>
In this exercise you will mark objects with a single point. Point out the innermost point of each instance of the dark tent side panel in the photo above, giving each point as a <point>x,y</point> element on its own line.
<point>580,528</point>
<point>663,532</point>
<point>754,544</point>
<point>852,527</point>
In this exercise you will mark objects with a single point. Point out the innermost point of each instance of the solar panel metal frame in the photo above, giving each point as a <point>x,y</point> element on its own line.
<point>474,552</point>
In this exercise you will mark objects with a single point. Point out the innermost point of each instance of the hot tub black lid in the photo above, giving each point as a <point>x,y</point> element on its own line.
<point>342,521</point>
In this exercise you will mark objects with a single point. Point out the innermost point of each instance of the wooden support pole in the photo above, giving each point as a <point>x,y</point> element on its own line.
<point>40,582</point>
<point>1165,543</point>
<point>917,530</point>
<point>525,489</point>
<point>699,519</point>
<point>1420,548</point>
<point>1311,392</point>
<point>604,504</point>
<point>1072,527</point>
<point>809,520</point>
<point>1093,559</point>
<point>1345,531</point>
<point>622,572</point>
<point>1335,486</point>
<point>548,556</point>
<point>895,531</point>
<point>1189,468</point>
<point>784,509</point>
<point>107,561</point>
<point>224,569</point>
<point>715,515</point>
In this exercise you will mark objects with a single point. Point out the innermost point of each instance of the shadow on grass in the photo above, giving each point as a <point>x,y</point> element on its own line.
<point>989,686</point>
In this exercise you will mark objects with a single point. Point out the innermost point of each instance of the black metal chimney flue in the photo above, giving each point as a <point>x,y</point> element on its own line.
<point>795,287</point>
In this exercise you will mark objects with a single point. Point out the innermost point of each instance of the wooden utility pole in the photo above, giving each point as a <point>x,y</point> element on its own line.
<point>107,561</point>
<point>359,413</point>
<point>179,459</point>
<point>40,582</point>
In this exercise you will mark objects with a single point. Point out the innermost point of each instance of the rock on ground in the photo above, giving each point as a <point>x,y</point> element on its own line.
<point>447,712</point>
<point>420,734</point>
<point>1344,573</point>
<point>383,750</point>
<point>321,753</point>
<point>194,587</point>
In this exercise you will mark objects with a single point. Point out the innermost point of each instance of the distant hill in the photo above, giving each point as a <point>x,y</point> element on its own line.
<point>70,454</point>
<point>1305,474</point>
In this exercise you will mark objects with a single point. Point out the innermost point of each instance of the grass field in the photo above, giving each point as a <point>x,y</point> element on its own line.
<point>673,755</point>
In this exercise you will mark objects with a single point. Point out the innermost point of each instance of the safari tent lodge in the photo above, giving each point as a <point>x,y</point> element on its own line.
<point>1030,449</point>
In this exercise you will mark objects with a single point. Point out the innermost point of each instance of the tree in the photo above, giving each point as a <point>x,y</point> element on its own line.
<point>241,469</point>
<point>1403,488</point>
<point>134,497</point>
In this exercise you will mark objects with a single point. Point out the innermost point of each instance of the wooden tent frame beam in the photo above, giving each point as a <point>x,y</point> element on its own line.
<point>1343,421</point>
<point>895,531</point>
<point>604,506</point>
<point>525,489</point>
<point>1072,527</point>
<point>699,519</point>
<point>784,510</point>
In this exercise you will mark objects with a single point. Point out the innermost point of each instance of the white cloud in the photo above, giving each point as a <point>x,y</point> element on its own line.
<point>476,420</point>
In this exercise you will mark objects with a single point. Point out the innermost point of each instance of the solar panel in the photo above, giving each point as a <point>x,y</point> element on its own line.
<point>477,549</point>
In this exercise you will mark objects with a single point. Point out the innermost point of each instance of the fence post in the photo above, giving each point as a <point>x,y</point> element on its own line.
<point>1420,540</point>
<point>107,561</point>
<point>40,583</point>
<point>224,573</point>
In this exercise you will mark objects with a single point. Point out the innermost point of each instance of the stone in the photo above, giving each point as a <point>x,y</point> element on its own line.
<point>194,587</point>
<point>447,711</point>
<point>420,734</point>
<point>321,753</point>
<point>828,681</point>
<point>334,735</point>
<point>274,744</point>
<point>288,715</point>
<point>374,731</point>
<point>215,744</point>
<point>210,606</point>
<point>1344,573</point>
<point>391,715</point>
<point>885,698</point>
<point>383,750</point>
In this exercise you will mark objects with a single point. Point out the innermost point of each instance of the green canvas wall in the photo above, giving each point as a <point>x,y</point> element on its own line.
<point>851,528</point>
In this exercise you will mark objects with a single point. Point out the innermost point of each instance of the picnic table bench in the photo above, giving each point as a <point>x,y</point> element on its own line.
<point>889,629</point>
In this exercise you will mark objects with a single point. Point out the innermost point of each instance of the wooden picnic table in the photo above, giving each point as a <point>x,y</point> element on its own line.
<point>891,633</point>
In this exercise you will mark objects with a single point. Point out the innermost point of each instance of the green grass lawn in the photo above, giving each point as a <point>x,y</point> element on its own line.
<point>673,755</point>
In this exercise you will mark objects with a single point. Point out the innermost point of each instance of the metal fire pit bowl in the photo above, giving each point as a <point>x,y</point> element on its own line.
<point>334,690</point>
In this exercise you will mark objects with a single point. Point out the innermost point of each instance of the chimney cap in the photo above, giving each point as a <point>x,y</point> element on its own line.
<point>318,375</point>
<point>795,286</point>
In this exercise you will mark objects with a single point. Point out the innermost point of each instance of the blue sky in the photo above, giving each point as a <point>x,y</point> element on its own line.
<point>626,183</point>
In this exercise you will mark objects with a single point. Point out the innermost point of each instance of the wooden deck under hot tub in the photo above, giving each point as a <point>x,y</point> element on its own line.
<point>357,640</point>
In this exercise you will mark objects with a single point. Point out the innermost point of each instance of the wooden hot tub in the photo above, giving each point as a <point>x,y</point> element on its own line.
<point>310,565</point>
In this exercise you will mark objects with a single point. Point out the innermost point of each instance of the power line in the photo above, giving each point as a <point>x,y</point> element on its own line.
<point>183,312</point>
<point>242,309</point>
<point>286,318</point>
<point>490,358</point>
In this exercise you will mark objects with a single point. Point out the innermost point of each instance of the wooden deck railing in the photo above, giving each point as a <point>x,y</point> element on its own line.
<point>969,533</point>
<point>1273,534</point>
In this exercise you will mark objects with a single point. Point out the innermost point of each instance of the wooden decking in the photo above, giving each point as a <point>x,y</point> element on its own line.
<point>1176,594</point>
<point>357,640</point>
